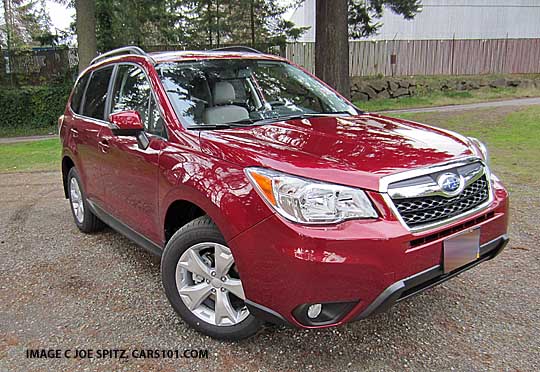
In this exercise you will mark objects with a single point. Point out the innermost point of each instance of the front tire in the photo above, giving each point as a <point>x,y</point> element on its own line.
<point>85,220</point>
<point>202,284</point>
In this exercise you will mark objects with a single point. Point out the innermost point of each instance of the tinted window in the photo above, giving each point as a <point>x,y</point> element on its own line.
<point>132,91</point>
<point>156,123</point>
<point>96,93</point>
<point>219,90</point>
<point>78,93</point>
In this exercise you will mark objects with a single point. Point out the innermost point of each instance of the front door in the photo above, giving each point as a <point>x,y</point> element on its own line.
<point>130,174</point>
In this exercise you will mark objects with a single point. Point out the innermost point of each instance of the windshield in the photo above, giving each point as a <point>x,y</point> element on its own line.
<point>235,91</point>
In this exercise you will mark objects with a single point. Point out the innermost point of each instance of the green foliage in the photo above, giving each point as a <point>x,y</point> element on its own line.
<point>32,107</point>
<point>30,156</point>
<point>24,22</point>
<point>511,134</point>
<point>363,14</point>
<point>192,23</point>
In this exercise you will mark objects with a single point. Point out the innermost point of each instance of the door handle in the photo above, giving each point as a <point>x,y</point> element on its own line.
<point>74,132</point>
<point>103,146</point>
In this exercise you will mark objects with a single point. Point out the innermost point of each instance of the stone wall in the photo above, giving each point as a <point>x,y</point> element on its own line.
<point>364,89</point>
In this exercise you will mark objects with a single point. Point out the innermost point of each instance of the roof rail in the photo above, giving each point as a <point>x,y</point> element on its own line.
<point>124,50</point>
<point>238,48</point>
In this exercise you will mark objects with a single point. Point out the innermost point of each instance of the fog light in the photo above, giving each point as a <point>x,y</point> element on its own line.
<point>314,311</point>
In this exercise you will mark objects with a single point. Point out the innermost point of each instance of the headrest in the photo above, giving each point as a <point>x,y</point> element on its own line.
<point>223,93</point>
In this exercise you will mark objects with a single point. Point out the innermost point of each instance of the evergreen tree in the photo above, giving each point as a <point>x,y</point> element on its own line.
<point>24,22</point>
<point>191,23</point>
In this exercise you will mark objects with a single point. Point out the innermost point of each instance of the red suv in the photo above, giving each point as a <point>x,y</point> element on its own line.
<point>268,196</point>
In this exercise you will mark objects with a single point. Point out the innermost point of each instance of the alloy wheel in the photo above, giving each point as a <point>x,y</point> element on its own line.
<point>76,200</point>
<point>209,284</point>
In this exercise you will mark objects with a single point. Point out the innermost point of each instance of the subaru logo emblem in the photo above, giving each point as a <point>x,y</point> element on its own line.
<point>450,184</point>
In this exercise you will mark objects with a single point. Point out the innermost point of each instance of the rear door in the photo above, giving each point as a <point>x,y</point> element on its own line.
<point>84,128</point>
<point>131,173</point>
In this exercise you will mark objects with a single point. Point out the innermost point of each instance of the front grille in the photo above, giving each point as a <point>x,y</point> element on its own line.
<point>424,210</point>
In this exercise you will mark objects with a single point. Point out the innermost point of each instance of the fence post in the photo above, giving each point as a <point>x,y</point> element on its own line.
<point>505,55</point>
<point>453,45</point>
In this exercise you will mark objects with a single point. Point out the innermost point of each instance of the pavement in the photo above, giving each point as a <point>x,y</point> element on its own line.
<point>62,289</point>
<point>8,140</point>
<point>470,106</point>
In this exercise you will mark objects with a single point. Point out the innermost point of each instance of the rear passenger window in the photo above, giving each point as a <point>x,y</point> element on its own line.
<point>96,93</point>
<point>78,93</point>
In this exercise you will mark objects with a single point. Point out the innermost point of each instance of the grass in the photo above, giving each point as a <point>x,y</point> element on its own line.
<point>511,134</point>
<point>447,98</point>
<point>30,156</point>
<point>21,132</point>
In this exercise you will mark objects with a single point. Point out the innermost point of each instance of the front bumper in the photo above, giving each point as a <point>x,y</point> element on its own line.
<point>415,284</point>
<point>365,265</point>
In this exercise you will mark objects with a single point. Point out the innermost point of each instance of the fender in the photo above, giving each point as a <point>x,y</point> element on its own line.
<point>219,188</point>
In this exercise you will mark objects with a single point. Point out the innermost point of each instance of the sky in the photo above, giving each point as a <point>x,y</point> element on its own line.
<point>61,15</point>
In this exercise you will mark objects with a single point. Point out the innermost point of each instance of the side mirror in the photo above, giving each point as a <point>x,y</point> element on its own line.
<point>129,123</point>
<point>126,123</point>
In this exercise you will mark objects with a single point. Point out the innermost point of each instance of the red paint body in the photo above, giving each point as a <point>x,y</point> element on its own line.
<point>282,264</point>
<point>127,120</point>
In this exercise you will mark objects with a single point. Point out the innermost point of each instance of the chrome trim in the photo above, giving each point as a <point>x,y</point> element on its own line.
<point>433,188</point>
<point>419,191</point>
<point>128,50</point>
<point>386,181</point>
<point>413,173</point>
<point>441,179</point>
<point>91,119</point>
<point>471,177</point>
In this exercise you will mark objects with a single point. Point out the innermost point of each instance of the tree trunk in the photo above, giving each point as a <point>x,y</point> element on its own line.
<point>209,19</point>
<point>86,31</point>
<point>218,41</point>
<point>332,44</point>
<point>252,22</point>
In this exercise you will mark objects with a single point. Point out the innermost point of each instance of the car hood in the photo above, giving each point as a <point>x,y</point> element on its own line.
<point>354,150</point>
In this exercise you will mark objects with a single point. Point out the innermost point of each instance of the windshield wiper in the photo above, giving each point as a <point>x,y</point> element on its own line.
<point>232,124</point>
<point>250,122</point>
<point>305,115</point>
<point>209,126</point>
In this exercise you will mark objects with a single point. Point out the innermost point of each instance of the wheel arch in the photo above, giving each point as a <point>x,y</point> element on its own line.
<point>179,213</point>
<point>67,164</point>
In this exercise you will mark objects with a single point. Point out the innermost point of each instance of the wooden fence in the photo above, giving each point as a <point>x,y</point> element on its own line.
<point>431,57</point>
<point>38,66</point>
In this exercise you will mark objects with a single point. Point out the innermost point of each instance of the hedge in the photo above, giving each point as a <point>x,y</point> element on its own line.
<point>32,107</point>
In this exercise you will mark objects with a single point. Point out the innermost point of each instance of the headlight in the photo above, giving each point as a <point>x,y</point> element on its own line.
<point>482,148</point>
<point>309,201</point>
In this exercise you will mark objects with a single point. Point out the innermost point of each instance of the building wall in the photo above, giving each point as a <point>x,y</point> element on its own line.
<point>447,19</point>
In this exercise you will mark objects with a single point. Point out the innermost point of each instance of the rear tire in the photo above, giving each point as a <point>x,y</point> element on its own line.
<point>202,284</point>
<point>85,220</point>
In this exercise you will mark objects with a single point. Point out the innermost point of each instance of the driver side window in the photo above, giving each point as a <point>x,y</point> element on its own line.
<point>132,91</point>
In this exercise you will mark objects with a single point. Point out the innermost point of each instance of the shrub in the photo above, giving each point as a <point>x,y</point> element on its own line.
<point>32,107</point>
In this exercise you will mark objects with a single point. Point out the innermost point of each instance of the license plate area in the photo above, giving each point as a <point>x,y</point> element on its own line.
<point>461,250</point>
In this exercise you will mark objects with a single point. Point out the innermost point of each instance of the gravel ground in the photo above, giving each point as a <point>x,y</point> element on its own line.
<point>62,289</point>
